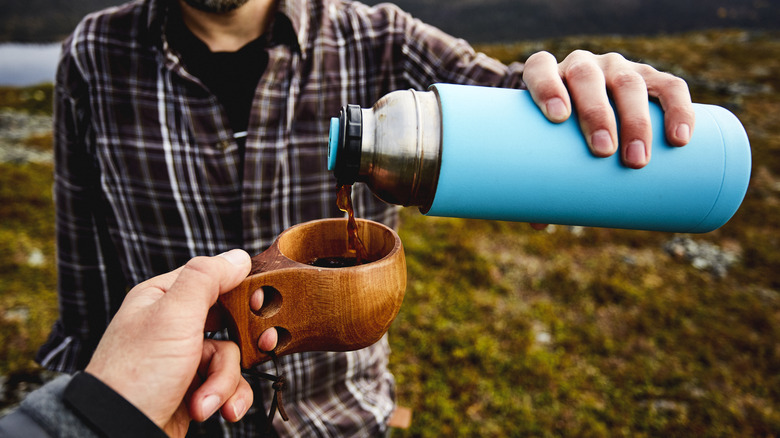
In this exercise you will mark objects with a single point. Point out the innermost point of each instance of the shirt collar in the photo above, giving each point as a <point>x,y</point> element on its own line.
<point>297,11</point>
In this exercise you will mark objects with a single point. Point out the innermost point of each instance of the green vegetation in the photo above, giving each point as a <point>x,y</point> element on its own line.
<point>34,100</point>
<point>506,331</point>
<point>28,300</point>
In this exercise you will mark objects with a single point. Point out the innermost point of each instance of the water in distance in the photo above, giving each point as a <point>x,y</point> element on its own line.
<point>28,64</point>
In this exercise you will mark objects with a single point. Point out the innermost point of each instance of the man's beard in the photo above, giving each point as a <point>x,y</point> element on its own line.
<point>216,6</point>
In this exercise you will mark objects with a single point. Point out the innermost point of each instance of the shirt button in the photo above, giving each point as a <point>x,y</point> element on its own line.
<point>223,144</point>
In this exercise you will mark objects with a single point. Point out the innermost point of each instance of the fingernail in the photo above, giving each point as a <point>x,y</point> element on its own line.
<point>635,152</point>
<point>209,406</point>
<point>683,132</point>
<point>235,256</point>
<point>239,408</point>
<point>601,142</point>
<point>556,109</point>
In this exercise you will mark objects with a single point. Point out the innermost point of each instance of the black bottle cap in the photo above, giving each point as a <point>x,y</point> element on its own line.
<point>349,147</point>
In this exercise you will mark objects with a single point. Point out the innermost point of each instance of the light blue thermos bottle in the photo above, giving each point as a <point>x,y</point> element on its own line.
<point>489,153</point>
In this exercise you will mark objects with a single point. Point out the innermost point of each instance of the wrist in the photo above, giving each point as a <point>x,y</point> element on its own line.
<point>105,411</point>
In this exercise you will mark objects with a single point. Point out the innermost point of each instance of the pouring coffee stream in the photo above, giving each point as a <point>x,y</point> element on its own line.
<point>354,244</point>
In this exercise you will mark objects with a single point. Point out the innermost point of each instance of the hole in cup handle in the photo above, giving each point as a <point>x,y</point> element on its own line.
<point>272,302</point>
<point>282,341</point>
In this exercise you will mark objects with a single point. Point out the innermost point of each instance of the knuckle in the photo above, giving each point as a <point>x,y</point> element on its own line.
<point>613,58</point>
<point>668,84</point>
<point>542,56</point>
<point>198,264</point>
<point>689,113</point>
<point>676,82</point>
<point>546,89</point>
<point>682,112</point>
<point>581,70</point>
<point>647,70</point>
<point>596,115</point>
<point>202,268</point>
<point>230,349</point>
<point>224,352</point>
<point>636,123</point>
<point>210,347</point>
<point>579,54</point>
<point>628,79</point>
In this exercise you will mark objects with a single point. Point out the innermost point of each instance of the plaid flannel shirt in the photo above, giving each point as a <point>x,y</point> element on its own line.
<point>147,172</point>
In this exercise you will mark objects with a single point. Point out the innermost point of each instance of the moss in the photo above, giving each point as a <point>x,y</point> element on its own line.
<point>43,142</point>
<point>28,301</point>
<point>36,99</point>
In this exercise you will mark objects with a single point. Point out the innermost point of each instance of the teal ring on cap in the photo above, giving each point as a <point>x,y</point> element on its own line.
<point>333,143</point>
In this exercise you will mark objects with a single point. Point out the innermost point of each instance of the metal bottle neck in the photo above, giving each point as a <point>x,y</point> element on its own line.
<point>401,148</point>
<point>394,147</point>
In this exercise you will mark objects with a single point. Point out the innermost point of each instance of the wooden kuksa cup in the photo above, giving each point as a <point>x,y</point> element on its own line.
<point>313,308</point>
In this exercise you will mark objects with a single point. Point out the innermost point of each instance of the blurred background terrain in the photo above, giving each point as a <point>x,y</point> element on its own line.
<point>477,21</point>
<point>506,331</point>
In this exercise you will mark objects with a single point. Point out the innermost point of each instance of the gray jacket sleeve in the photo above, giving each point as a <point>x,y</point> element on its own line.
<point>44,414</point>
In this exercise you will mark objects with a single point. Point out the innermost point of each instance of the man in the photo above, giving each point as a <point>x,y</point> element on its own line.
<point>187,127</point>
<point>134,386</point>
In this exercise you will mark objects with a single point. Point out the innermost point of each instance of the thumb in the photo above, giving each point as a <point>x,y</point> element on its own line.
<point>201,281</point>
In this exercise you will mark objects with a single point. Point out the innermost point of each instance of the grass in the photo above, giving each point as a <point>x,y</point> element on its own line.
<point>506,331</point>
<point>35,99</point>
<point>28,300</point>
<point>512,332</point>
